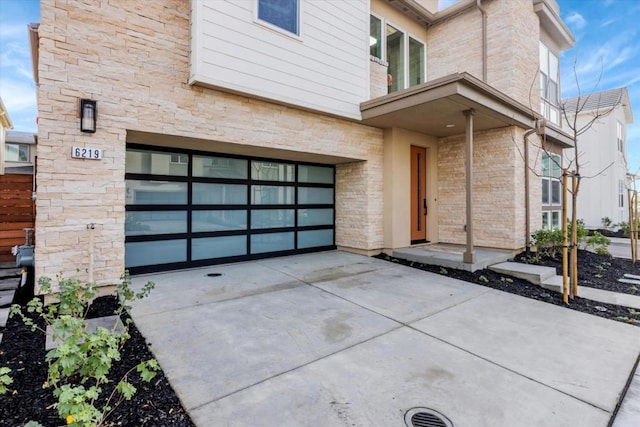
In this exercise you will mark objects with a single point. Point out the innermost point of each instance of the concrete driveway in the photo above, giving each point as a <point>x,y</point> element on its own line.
<point>333,339</point>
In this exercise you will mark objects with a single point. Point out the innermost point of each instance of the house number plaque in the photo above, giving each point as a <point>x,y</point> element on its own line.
<point>86,153</point>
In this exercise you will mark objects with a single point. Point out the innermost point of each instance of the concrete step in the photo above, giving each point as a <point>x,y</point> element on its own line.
<point>6,298</point>
<point>9,272</point>
<point>4,316</point>
<point>629,281</point>
<point>535,274</point>
<point>9,284</point>
<point>553,284</point>
<point>631,276</point>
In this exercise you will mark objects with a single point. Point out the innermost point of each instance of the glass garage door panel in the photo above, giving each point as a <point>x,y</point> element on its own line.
<point>315,238</point>
<point>218,220</point>
<point>156,252</point>
<point>157,163</point>
<point>307,217</point>
<point>219,167</point>
<point>272,218</point>
<point>218,247</point>
<point>316,174</point>
<point>271,171</point>
<point>141,192</point>
<point>219,194</point>
<point>139,223</point>
<point>271,195</point>
<point>272,242</point>
<point>311,195</point>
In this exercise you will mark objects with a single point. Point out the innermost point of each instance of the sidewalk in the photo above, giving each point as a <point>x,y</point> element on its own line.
<point>339,339</point>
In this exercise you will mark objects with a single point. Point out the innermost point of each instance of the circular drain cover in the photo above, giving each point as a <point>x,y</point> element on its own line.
<point>425,417</point>
<point>214,274</point>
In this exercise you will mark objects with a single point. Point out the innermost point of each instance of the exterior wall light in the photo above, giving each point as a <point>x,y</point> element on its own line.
<point>88,113</point>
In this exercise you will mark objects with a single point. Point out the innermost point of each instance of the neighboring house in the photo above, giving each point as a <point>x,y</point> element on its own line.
<point>602,155</point>
<point>20,152</point>
<point>5,124</point>
<point>234,130</point>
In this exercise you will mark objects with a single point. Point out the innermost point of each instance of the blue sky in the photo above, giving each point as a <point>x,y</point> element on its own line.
<point>607,43</point>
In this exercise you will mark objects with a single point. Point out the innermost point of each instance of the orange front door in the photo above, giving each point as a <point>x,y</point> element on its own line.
<point>418,195</point>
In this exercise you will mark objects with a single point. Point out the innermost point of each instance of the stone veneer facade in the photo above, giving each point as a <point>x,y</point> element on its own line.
<point>133,59</point>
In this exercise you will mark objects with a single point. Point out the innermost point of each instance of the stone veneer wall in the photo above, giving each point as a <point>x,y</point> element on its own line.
<point>132,57</point>
<point>513,34</point>
<point>498,189</point>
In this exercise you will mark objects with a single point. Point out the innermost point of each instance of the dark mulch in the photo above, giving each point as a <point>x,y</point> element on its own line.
<point>523,288</point>
<point>154,404</point>
<point>598,271</point>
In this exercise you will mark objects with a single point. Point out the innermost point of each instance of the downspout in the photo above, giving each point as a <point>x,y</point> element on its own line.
<point>527,203</point>
<point>484,40</point>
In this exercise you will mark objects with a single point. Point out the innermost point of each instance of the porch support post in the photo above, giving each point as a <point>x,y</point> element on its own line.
<point>469,256</point>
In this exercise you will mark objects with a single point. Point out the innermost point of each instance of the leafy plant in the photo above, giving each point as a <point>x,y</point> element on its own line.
<point>79,366</point>
<point>5,379</point>
<point>548,244</point>
<point>483,279</point>
<point>606,222</point>
<point>444,271</point>
<point>599,243</point>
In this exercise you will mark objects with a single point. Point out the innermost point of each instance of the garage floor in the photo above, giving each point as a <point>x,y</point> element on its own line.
<point>334,338</point>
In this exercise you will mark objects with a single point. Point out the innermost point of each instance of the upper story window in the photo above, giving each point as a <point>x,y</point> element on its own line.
<point>549,85</point>
<point>16,152</point>
<point>619,137</point>
<point>281,13</point>
<point>405,55</point>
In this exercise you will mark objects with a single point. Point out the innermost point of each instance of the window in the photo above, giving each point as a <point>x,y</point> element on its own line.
<point>395,58</point>
<point>416,62</point>
<point>549,87</point>
<point>17,152</point>
<point>281,13</point>
<point>551,191</point>
<point>405,55</point>
<point>621,193</point>
<point>375,37</point>
<point>619,137</point>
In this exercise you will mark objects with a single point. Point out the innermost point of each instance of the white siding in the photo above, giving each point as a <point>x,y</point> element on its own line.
<point>325,68</point>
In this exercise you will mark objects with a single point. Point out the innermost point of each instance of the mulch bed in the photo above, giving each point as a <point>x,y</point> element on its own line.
<point>154,404</point>
<point>523,288</point>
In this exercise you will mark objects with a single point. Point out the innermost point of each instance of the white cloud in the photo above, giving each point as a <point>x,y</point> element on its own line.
<point>576,20</point>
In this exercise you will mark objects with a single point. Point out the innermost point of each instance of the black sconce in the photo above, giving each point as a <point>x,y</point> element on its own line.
<point>88,112</point>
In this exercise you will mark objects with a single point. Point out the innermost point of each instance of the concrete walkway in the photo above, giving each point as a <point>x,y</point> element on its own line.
<point>334,339</point>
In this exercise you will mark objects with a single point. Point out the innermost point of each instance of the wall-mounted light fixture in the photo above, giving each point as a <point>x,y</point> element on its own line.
<point>88,113</point>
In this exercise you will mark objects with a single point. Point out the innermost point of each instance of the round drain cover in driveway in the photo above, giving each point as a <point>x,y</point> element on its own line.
<point>425,417</point>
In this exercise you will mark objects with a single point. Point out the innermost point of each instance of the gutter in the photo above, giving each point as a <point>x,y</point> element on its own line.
<point>527,202</point>
<point>484,39</point>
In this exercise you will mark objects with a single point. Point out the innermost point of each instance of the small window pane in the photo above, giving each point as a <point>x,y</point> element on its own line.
<point>555,192</point>
<point>416,62</point>
<point>395,58</point>
<point>156,192</point>
<point>555,160</point>
<point>151,253</point>
<point>219,167</point>
<point>218,220</point>
<point>271,195</point>
<point>272,218</point>
<point>269,171</point>
<point>271,242</point>
<point>545,164</point>
<point>281,13</point>
<point>157,163</point>
<point>555,219</point>
<point>545,191</point>
<point>308,217</point>
<point>314,238</point>
<point>218,247</point>
<point>544,58</point>
<point>219,194</point>
<point>545,220</point>
<point>375,37</point>
<point>553,93</point>
<point>316,174</point>
<point>553,67</point>
<point>309,195</point>
<point>155,222</point>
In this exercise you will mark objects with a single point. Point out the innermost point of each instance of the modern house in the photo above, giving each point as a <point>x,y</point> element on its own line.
<point>175,134</point>
<point>19,153</point>
<point>602,154</point>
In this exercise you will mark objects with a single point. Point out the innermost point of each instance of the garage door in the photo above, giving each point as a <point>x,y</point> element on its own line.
<point>188,209</point>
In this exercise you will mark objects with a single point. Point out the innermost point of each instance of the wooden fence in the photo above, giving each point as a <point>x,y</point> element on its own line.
<point>17,211</point>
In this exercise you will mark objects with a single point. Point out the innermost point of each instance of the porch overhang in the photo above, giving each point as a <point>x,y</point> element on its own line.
<point>436,107</point>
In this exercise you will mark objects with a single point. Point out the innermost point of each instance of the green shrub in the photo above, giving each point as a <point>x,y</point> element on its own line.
<point>606,222</point>
<point>548,243</point>
<point>599,243</point>
<point>79,366</point>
